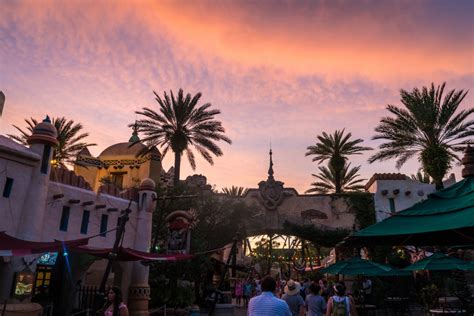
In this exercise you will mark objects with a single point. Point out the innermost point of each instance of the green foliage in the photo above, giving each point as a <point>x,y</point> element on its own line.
<point>179,125</point>
<point>69,138</point>
<point>235,191</point>
<point>422,177</point>
<point>363,205</point>
<point>428,127</point>
<point>335,148</point>
<point>318,236</point>
<point>328,180</point>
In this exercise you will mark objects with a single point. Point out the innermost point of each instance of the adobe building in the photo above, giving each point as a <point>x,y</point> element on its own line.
<point>41,203</point>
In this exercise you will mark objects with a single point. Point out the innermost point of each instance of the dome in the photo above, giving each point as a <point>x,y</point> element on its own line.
<point>44,133</point>
<point>147,184</point>
<point>123,149</point>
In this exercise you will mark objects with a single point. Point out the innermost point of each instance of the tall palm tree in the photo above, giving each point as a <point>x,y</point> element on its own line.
<point>179,125</point>
<point>235,191</point>
<point>326,180</point>
<point>335,148</point>
<point>69,138</point>
<point>429,127</point>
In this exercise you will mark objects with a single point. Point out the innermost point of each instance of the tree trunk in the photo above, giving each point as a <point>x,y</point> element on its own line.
<point>177,166</point>
<point>439,184</point>
<point>337,179</point>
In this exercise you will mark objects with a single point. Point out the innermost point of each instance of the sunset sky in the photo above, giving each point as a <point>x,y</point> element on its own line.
<point>280,71</point>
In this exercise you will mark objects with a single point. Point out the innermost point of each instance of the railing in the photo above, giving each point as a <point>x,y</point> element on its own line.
<point>155,311</point>
<point>86,296</point>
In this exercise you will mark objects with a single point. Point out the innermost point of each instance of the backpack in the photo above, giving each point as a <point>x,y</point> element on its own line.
<point>339,308</point>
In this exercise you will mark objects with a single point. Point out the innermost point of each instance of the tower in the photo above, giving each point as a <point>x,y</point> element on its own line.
<point>139,290</point>
<point>42,141</point>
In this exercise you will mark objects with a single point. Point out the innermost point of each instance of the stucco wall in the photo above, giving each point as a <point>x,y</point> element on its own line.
<point>54,210</point>
<point>11,208</point>
<point>410,192</point>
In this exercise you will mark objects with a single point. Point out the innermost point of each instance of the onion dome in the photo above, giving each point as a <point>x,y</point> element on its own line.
<point>147,184</point>
<point>44,133</point>
<point>468,162</point>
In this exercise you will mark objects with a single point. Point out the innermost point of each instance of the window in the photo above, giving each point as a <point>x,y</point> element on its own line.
<point>103,224</point>
<point>7,190</point>
<point>392,205</point>
<point>45,161</point>
<point>117,179</point>
<point>85,222</point>
<point>64,219</point>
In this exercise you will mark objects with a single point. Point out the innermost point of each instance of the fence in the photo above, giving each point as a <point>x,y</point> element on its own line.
<point>86,296</point>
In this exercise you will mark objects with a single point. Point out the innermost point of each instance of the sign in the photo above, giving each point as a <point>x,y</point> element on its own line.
<point>23,285</point>
<point>48,259</point>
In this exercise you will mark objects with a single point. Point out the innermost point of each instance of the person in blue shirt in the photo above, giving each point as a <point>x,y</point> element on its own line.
<point>267,304</point>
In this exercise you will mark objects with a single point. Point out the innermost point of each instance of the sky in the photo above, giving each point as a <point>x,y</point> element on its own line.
<point>281,72</point>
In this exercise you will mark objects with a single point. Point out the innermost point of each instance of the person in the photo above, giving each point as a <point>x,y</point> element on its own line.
<point>293,298</point>
<point>367,289</point>
<point>258,287</point>
<point>114,305</point>
<point>315,303</point>
<point>267,304</point>
<point>247,291</point>
<point>239,291</point>
<point>340,304</point>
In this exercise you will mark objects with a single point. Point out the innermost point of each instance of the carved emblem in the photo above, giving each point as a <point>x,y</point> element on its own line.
<point>271,193</point>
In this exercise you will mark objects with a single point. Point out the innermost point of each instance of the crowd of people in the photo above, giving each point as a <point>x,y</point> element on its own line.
<point>275,297</point>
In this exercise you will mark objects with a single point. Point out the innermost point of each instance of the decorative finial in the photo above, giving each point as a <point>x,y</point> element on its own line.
<point>134,137</point>
<point>47,119</point>
<point>468,162</point>
<point>270,169</point>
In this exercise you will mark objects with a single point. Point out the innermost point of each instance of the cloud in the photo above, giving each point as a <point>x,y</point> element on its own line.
<point>280,72</point>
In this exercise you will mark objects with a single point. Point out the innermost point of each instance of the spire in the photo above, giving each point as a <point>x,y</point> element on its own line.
<point>270,169</point>
<point>134,137</point>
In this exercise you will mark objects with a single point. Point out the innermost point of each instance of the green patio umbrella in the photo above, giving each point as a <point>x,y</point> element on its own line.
<point>358,266</point>
<point>440,262</point>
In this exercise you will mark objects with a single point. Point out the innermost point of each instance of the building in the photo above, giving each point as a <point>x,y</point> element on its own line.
<point>41,203</point>
<point>394,192</point>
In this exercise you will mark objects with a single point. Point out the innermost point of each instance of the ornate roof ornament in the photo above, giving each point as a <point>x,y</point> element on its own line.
<point>44,133</point>
<point>271,192</point>
<point>134,137</point>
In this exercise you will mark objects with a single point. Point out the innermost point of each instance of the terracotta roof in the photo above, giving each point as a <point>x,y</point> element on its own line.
<point>385,176</point>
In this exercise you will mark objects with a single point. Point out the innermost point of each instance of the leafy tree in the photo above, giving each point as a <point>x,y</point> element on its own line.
<point>422,177</point>
<point>327,180</point>
<point>69,137</point>
<point>427,126</point>
<point>179,125</point>
<point>335,148</point>
<point>235,191</point>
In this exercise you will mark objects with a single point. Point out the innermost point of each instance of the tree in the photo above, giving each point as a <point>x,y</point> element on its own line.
<point>235,191</point>
<point>427,126</point>
<point>335,148</point>
<point>327,180</point>
<point>422,177</point>
<point>69,138</point>
<point>179,125</point>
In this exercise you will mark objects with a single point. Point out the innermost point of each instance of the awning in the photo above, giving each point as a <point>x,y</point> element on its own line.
<point>445,218</point>
<point>128,254</point>
<point>11,246</point>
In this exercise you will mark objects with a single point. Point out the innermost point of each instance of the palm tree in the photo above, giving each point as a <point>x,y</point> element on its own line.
<point>422,177</point>
<point>181,124</point>
<point>69,138</point>
<point>235,191</point>
<point>429,127</point>
<point>335,148</point>
<point>326,180</point>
